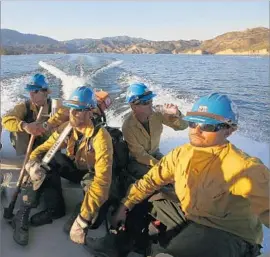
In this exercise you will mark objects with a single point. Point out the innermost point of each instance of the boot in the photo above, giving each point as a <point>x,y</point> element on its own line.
<point>111,245</point>
<point>46,217</point>
<point>20,226</point>
<point>54,203</point>
<point>72,218</point>
<point>102,247</point>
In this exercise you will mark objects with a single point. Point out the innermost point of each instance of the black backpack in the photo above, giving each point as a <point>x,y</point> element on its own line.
<point>120,148</point>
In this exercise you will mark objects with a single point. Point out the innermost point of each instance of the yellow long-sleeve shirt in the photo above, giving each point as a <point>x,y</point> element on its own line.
<point>141,144</point>
<point>60,117</point>
<point>12,120</point>
<point>99,156</point>
<point>220,187</point>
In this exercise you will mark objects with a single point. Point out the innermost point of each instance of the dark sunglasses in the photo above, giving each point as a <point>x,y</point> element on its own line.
<point>144,102</point>
<point>208,127</point>
<point>81,110</point>
<point>138,98</point>
<point>43,90</point>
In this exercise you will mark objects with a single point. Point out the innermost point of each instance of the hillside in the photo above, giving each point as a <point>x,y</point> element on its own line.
<point>14,38</point>
<point>250,41</point>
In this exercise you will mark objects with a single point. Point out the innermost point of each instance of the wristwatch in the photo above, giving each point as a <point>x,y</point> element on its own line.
<point>45,125</point>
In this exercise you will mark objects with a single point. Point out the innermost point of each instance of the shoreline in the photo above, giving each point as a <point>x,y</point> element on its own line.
<point>246,53</point>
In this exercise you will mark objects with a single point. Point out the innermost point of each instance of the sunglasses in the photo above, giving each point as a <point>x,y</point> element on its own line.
<point>43,90</point>
<point>81,110</point>
<point>138,98</point>
<point>144,102</point>
<point>208,127</point>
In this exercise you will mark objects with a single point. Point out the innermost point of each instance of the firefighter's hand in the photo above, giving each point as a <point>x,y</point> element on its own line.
<point>78,230</point>
<point>33,128</point>
<point>43,127</point>
<point>35,171</point>
<point>171,109</point>
<point>120,216</point>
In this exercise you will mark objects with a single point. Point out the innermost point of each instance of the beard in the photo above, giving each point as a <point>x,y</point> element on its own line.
<point>81,121</point>
<point>76,123</point>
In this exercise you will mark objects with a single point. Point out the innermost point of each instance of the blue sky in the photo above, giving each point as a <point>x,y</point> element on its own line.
<point>156,20</point>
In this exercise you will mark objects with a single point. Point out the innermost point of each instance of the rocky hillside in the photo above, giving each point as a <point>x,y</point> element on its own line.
<point>130,45</point>
<point>251,41</point>
<point>14,42</point>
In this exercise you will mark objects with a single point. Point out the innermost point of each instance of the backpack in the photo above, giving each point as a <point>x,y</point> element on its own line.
<point>120,148</point>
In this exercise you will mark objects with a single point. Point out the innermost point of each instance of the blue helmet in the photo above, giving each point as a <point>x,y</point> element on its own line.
<point>37,82</point>
<point>82,98</point>
<point>138,92</point>
<point>213,109</point>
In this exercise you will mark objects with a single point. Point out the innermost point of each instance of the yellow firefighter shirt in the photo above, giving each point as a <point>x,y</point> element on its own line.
<point>13,119</point>
<point>97,155</point>
<point>142,145</point>
<point>220,187</point>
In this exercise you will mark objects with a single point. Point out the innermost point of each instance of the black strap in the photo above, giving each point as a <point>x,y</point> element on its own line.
<point>49,102</point>
<point>78,142</point>
<point>29,117</point>
<point>81,137</point>
<point>102,114</point>
<point>96,129</point>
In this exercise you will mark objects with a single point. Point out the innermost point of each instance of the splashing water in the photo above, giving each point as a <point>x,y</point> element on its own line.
<point>69,82</point>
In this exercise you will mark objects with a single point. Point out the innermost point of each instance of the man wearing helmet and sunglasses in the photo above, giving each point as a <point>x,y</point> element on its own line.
<point>143,127</point>
<point>91,152</point>
<point>61,116</point>
<point>20,121</point>
<point>224,192</point>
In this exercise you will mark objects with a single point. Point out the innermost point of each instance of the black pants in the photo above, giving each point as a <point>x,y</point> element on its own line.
<point>52,191</point>
<point>67,169</point>
<point>196,240</point>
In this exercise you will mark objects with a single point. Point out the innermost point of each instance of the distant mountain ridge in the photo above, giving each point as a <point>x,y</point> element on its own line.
<point>250,41</point>
<point>12,38</point>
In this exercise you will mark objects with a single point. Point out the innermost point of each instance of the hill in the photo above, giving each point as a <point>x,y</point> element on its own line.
<point>250,40</point>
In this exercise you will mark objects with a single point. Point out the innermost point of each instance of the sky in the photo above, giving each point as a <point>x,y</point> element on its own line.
<point>153,20</point>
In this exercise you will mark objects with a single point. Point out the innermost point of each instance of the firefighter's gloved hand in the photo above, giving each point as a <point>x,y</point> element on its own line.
<point>120,217</point>
<point>78,230</point>
<point>35,171</point>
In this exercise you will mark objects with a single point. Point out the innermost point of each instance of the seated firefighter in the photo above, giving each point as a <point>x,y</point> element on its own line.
<point>20,121</point>
<point>224,192</point>
<point>91,152</point>
<point>68,168</point>
<point>143,127</point>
